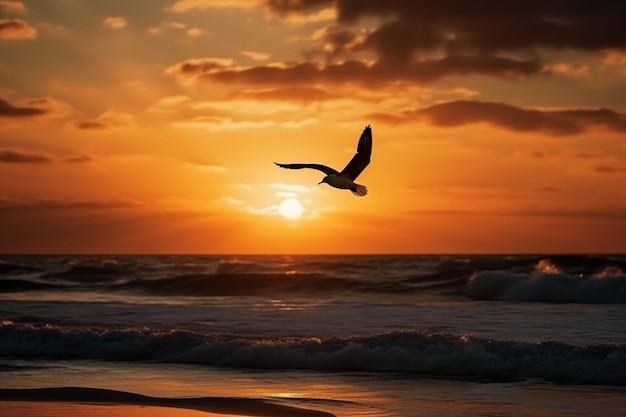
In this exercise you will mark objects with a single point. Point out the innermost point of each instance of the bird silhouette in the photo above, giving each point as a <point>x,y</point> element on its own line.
<point>345,179</point>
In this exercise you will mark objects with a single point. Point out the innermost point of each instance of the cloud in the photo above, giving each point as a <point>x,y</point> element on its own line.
<point>50,203</point>
<point>606,169</point>
<point>554,122</point>
<point>246,187</point>
<point>55,29</point>
<point>23,156</point>
<point>291,188</point>
<point>426,40</point>
<point>180,6</point>
<point>536,154</point>
<point>219,123</point>
<point>214,168</point>
<point>595,214</point>
<point>549,189</point>
<point>115,22</point>
<point>567,70</point>
<point>306,94</point>
<point>352,71</point>
<point>155,30</point>
<point>209,167</point>
<point>107,120</point>
<point>336,41</point>
<point>460,27</point>
<point>192,32</point>
<point>190,68</point>
<point>19,156</point>
<point>286,194</point>
<point>16,29</point>
<point>173,101</point>
<point>575,155</point>
<point>586,155</point>
<point>78,159</point>
<point>298,124</point>
<point>616,59</point>
<point>244,206</point>
<point>329,13</point>
<point>216,123</point>
<point>256,56</point>
<point>12,7</point>
<point>29,108</point>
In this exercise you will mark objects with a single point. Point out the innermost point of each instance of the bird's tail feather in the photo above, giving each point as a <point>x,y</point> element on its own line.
<point>359,190</point>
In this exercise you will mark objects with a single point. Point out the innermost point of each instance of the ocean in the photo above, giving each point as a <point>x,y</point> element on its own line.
<point>363,335</point>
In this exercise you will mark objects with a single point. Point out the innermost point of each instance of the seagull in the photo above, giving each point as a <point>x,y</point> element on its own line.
<point>345,179</point>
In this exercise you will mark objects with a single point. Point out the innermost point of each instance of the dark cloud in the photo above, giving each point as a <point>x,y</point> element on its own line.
<point>108,119</point>
<point>495,38</point>
<point>16,29</point>
<point>77,159</point>
<point>92,125</point>
<point>22,156</point>
<point>536,154</point>
<point>599,214</point>
<point>359,72</point>
<point>606,169</point>
<point>15,156</point>
<point>549,189</point>
<point>482,25</point>
<point>33,108</point>
<point>458,113</point>
<point>555,122</point>
<point>586,155</point>
<point>284,7</point>
<point>424,41</point>
<point>47,204</point>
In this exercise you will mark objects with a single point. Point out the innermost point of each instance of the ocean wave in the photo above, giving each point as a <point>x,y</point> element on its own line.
<point>603,287</point>
<point>237,266</point>
<point>559,279</point>
<point>406,352</point>
<point>224,284</point>
<point>20,285</point>
<point>16,268</point>
<point>87,273</point>
<point>332,265</point>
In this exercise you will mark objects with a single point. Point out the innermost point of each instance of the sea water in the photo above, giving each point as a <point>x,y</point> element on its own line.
<point>532,335</point>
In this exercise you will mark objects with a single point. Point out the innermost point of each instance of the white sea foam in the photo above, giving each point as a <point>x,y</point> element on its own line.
<point>555,287</point>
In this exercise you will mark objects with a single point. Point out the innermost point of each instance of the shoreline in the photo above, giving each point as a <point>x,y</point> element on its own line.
<point>96,396</point>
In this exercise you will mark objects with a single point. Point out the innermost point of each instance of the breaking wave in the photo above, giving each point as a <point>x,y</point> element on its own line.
<point>549,283</point>
<point>408,352</point>
<point>528,278</point>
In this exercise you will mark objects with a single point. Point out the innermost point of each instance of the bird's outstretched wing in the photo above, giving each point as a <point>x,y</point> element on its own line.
<point>326,170</point>
<point>362,157</point>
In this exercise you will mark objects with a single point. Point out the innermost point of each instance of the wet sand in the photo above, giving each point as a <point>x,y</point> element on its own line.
<point>96,402</point>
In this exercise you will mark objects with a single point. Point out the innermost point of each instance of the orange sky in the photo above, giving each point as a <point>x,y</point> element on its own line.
<point>134,129</point>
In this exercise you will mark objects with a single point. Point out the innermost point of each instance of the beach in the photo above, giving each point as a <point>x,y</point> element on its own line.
<point>450,335</point>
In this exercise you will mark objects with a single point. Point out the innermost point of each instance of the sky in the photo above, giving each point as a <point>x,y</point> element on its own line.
<point>153,127</point>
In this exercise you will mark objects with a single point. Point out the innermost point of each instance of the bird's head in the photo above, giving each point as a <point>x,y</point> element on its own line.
<point>323,180</point>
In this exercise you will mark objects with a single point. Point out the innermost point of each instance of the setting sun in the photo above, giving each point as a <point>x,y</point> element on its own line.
<point>291,208</point>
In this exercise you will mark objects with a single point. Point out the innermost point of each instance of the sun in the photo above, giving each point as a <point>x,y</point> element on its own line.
<point>290,208</point>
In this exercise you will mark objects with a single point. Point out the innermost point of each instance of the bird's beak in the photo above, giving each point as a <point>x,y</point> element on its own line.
<point>320,182</point>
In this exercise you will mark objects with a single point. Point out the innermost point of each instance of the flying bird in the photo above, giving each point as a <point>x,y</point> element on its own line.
<point>345,179</point>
